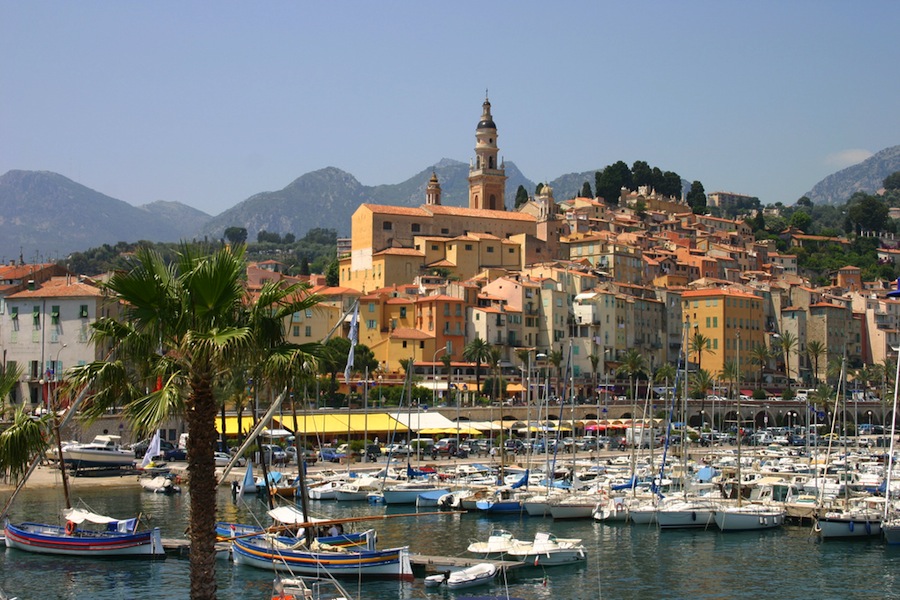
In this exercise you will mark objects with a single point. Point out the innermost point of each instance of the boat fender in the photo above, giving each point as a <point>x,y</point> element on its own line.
<point>283,597</point>
<point>70,528</point>
<point>868,528</point>
<point>817,528</point>
<point>693,516</point>
<point>851,526</point>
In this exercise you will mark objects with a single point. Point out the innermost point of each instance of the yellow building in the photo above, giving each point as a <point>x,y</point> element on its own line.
<point>732,321</point>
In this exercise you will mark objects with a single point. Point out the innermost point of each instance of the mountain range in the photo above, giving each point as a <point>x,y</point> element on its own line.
<point>46,216</point>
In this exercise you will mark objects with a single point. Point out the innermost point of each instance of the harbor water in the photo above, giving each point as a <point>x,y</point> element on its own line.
<point>624,561</point>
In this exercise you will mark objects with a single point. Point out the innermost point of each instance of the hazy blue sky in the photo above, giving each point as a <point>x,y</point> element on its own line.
<point>208,103</point>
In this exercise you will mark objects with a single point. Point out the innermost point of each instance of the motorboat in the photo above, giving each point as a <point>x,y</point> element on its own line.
<point>103,451</point>
<point>308,588</point>
<point>406,493</point>
<point>499,542</point>
<point>475,575</point>
<point>113,538</point>
<point>548,550</point>
<point>161,484</point>
<point>431,498</point>
<point>358,490</point>
<point>613,510</point>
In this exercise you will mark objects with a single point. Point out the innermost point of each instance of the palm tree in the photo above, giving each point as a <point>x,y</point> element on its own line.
<point>185,324</point>
<point>555,358</point>
<point>666,374</point>
<point>21,442</point>
<point>493,360</point>
<point>9,380</point>
<point>815,350</point>
<point>595,362</point>
<point>788,344</point>
<point>701,381</point>
<point>447,360</point>
<point>760,355</point>
<point>633,364</point>
<point>476,351</point>
<point>699,344</point>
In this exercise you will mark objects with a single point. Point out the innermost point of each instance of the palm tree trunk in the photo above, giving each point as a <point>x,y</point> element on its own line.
<point>201,417</point>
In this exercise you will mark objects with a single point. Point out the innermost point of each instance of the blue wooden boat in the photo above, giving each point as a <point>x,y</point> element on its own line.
<point>116,538</point>
<point>290,555</point>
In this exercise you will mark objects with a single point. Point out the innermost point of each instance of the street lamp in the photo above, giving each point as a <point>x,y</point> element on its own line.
<point>434,374</point>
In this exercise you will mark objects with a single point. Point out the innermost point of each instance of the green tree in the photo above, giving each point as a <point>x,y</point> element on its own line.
<point>521,196</point>
<point>633,365</point>
<point>801,220</point>
<point>493,360</point>
<point>236,235</point>
<point>555,358</point>
<point>700,344</point>
<point>21,443</point>
<point>183,325</point>
<point>760,355</point>
<point>787,345</point>
<point>611,180</point>
<point>586,191</point>
<point>701,381</point>
<point>696,198</point>
<point>867,213</point>
<point>477,351</point>
<point>641,174</point>
<point>892,181</point>
<point>333,273</point>
<point>304,267</point>
<point>815,350</point>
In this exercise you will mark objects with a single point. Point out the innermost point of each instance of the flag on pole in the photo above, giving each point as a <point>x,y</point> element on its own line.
<point>354,338</point>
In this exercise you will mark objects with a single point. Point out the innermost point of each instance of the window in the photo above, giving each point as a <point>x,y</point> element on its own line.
<point>308,331</point>
<point>309,313</point>
<point>371,307</point>
<point>296,331</point>
<point>36,316</point>
<point>490,249</point>
<point>296,317</point>
<point>434,246</point>
<point>445,231</point>
<point>512,250</point>
<point>468,247</point>
<point>371,324</point>
<point>402,312</point>
<point>387,226</point>
<point>404,343</point>
<point>421,345</point>
<point>83,311</point>
<point>416,228</point>
<point>14,313</point>
<point>54,314</point>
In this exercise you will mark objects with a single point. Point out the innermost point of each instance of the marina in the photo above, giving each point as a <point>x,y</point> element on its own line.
<point>623,560</point>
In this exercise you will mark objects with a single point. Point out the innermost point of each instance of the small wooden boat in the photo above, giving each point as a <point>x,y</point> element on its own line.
<point>288,554</point>
<point>117,538</point>
<point>297,588</point>
<point>480,574</point>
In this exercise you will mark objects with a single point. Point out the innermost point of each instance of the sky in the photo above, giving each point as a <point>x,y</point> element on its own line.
<point>208,103</point>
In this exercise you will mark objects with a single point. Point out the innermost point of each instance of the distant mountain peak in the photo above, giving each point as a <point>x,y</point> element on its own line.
<point>866,176</point>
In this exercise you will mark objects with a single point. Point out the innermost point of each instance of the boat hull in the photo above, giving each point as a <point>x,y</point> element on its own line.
<point>842,528</point>
<point>891,532</point>
<point>748,520</point>
<point>390,563</point>
<point>40,538</point>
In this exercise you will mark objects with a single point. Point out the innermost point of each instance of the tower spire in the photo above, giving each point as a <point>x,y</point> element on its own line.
<point>487,178</point>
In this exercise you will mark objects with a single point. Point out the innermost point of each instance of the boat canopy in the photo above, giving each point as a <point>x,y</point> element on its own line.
<point>79,516</point>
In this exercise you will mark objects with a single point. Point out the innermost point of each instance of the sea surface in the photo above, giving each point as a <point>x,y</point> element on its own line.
<point>624,561</point>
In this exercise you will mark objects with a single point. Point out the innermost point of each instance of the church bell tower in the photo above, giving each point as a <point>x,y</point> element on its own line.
<point>487,178</point>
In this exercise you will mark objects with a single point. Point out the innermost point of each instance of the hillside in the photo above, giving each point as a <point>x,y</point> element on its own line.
<point>45,216</point>
<point>863,177</point>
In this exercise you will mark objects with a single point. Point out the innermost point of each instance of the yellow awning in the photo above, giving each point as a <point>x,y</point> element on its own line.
<point>514,388</point>
<point>231,425</point>
<point>375,422</point>
<point>341,423</point>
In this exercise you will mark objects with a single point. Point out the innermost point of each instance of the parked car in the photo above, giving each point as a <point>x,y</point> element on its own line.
<point>175,454</point>
<point>329,454</point>
<point>222,459</point>
<point>140,448</point>
<point>309,457</point>
<point>445,447</point>
<point>399,449</point>
<point>272,454</point>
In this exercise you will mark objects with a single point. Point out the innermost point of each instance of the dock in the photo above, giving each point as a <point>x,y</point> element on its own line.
<point>428,564</point>
<point>181,547</point>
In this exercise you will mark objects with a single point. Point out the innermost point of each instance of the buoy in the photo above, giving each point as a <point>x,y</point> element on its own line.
<point>850,524</point>
<point>868,528</point>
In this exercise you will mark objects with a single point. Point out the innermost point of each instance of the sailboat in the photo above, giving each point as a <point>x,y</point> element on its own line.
<point>746,517</point>
<point>248,484</point>
<point>890,525</point>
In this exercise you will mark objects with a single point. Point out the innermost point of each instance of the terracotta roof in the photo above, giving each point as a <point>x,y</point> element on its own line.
<point>60,287</point>
<point>400,252</point>
<point>383,209</point>
<point>456,211</point>
<point>408,333</point>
